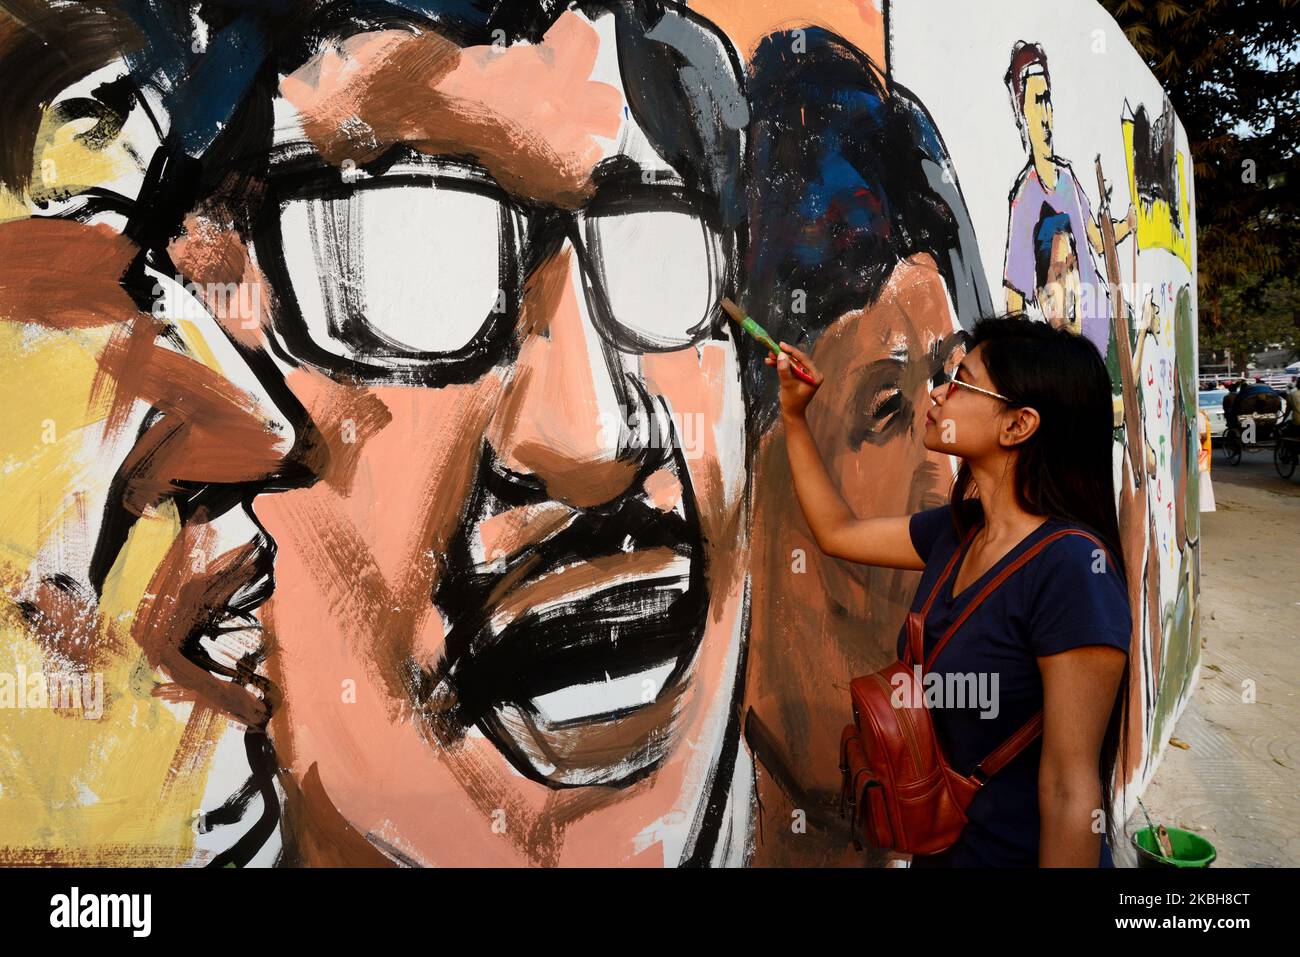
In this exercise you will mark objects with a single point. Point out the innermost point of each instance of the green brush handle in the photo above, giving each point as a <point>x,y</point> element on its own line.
<point>759,333</point>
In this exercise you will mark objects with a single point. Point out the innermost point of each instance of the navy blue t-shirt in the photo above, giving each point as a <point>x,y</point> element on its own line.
<point>1063,598</point>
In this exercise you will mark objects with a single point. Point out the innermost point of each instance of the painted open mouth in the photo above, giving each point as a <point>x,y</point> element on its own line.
<point>571,654</point>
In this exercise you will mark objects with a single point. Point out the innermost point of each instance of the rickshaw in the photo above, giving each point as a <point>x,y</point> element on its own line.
<point>1254,432</point>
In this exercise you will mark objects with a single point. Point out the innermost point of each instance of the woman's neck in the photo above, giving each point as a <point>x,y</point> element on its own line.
<point>1004,517</point>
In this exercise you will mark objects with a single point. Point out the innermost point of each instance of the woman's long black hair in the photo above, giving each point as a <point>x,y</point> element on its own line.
<point>1064,470</point>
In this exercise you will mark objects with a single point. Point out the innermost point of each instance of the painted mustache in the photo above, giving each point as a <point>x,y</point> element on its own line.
<point>570,654</point>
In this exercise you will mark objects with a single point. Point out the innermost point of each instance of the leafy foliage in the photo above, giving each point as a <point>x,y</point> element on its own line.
<point>1232,71</point>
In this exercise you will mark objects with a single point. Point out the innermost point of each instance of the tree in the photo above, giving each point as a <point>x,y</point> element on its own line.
<point>1232,72</point>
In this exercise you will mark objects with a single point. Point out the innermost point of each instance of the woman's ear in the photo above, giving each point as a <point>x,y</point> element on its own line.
<point>1018,425</point>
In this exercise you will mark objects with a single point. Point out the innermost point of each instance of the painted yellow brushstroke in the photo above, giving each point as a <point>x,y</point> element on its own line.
<point>45,392</point>
<point>12,206</point>
<point>78,789</point>
<point>73,789</point>
<point>1156,229</point>
<point>113,790</point>
<point>64,165</point>
<point>195,342</point>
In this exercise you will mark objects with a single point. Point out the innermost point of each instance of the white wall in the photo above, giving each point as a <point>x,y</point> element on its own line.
<point>953,55</point>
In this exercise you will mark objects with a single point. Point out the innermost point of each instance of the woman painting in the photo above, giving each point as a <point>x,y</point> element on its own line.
<point>1028,412</point>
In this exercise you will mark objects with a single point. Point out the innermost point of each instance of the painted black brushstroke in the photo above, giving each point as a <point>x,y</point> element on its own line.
<point>44,49</point>
<point>520,252</point>
<point>233,808</point>
<point>661,82</point>
<point>706,830</point>
<point>261,759</point>
<point>1155,163</point>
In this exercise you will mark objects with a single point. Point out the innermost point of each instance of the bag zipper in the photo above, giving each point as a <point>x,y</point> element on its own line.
<point>906,722</point>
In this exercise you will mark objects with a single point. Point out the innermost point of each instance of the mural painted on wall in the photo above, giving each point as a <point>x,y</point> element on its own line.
<point>1052,234</point>
<point>383,484</point>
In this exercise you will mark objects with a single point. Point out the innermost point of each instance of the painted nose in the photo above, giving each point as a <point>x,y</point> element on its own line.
<point>569,403</point>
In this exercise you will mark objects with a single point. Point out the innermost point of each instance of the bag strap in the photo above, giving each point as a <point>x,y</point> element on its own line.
<point>915,645</point>
<point>999,578</point>
<point>947,570</point>
<point>1009,748</point>
<point>1034,726</point>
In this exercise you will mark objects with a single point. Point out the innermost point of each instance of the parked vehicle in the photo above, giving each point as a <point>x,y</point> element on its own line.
<point>1280,379</point>
<point>1212,403</point>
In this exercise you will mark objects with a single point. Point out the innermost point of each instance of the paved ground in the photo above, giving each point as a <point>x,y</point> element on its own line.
<point>1238,782</point>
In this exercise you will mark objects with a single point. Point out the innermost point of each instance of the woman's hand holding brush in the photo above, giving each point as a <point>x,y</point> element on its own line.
<point>796,390</point>
<point>799,380</point>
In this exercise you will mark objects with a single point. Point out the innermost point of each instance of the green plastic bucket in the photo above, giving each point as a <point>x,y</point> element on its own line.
<point>1190,850</point>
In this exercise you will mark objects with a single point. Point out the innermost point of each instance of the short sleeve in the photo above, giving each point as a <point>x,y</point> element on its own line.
<point>1079,599</point>
<point>1085,207</point>
<point>928,527</point>
<point>1019,272</point>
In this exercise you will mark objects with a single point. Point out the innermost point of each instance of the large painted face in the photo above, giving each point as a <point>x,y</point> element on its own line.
<point>506,622</point>
<point>868,421</point>
<point>1061,295</point>
<point>869,417</point>
<point>1038,116</point>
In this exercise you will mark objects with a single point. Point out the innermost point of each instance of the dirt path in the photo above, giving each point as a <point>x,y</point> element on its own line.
<point>1238,782</point>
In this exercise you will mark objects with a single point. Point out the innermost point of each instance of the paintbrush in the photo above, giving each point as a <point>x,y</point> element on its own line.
<point>759,333</point>
<point>1159,834</point>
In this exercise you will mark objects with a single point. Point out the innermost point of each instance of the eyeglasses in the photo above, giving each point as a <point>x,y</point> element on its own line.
<point>417,274</point>
<point>954,382</point>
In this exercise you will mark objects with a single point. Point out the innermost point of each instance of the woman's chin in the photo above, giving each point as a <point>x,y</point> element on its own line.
<point>932,441</point>
<point>929,437</point>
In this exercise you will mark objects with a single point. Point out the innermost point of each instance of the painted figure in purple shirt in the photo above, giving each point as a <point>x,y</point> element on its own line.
<point>1048,180</point>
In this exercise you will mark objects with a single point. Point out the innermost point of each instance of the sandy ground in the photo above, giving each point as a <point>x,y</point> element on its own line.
<point>1238,781</point>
